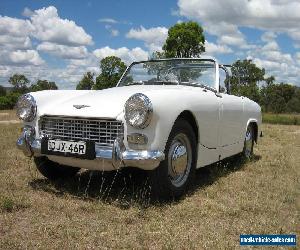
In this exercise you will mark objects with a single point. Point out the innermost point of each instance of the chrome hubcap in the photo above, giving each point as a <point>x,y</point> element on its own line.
<point>248,143</point>
<point>179,160</point>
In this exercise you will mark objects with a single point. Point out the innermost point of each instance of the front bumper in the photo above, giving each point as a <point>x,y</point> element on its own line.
<point>116,157</point>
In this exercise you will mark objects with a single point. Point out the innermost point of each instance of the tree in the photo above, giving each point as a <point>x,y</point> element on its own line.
<point>157,55</point>
<point>184,39</point>
<point>245,78</point>
<point>112,69</point>
<point>2,91</point>
<point>278,98</point>
<point>293,104</point>
<point>87,81</point>
<point>19,82</point>
<point>43,85</point>
<point>270,80</point>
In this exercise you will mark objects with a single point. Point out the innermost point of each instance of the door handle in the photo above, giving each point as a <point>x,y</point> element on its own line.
<point>218,95</point>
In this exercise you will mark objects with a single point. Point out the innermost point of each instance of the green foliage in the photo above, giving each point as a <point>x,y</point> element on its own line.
<point>43,85</point>
<point>19,82</point>
<point>185,39</point>
<point>112,69</point>
<point>279,98</point>
<point>9,101</point>
<point>245,78</point>
<point>87,82</point>
<point>275,98</point>
<point>293,105</point>
<point>2,91</point>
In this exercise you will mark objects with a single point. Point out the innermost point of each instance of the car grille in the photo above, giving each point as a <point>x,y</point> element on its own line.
<point>102,132</point>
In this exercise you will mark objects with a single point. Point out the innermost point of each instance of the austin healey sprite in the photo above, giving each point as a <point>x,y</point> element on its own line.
<point>168,117</point>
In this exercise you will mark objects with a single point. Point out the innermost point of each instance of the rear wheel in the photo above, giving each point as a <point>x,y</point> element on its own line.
<point>53,170</point>
<point>175,174</point>
<point>249,142</point>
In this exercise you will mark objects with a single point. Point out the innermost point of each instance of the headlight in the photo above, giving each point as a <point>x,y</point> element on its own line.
<point>138,110</point>
<point>26,108</point>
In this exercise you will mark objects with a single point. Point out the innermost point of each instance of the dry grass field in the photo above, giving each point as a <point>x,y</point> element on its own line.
<point>112,210</point>
<point>8,115</point>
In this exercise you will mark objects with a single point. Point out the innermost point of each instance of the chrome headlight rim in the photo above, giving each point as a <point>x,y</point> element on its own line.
<point>28,102</point>
<point>148,110</point>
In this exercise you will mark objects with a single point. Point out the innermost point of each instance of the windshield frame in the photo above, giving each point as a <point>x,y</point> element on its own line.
<point>216,66</point>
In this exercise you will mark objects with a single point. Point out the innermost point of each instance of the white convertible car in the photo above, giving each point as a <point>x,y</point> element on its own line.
<point>166,116</point>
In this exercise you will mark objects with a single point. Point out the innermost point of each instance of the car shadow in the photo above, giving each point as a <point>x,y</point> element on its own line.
<point>130,186</point>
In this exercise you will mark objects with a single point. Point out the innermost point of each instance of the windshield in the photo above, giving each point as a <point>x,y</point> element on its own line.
<point>193,72</point>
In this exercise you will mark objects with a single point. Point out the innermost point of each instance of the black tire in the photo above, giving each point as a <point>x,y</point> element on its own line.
<point>53,170</point>
<point>162,185</point>
<point>249,142</point>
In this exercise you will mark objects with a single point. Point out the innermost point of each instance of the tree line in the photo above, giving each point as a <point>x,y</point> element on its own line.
<point>19,86</point>
<point>187,40</point>
<point>251,81</point>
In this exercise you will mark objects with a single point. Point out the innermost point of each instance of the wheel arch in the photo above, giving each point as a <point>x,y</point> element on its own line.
<point>253,123</point>
<point>190,118</point>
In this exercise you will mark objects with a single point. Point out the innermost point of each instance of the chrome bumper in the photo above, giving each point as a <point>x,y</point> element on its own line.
<point>118,155</point>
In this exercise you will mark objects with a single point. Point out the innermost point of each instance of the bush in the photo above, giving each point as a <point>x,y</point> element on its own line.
<point>2,91</point>
<point>9,101</point>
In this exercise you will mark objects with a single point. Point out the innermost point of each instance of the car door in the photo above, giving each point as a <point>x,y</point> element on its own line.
<point>231,129</point>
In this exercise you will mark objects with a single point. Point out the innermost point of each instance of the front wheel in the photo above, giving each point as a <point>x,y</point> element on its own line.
<point>53,170</point>
<point>249,142</point>
<point>175,174</point>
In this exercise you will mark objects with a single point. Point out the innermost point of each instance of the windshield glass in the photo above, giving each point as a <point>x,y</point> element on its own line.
<point>193,72</point>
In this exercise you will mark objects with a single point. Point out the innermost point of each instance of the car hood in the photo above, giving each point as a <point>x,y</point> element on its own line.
<point>108,103</point>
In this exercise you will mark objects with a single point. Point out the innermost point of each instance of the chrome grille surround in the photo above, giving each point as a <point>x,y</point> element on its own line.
<point>102,131</point>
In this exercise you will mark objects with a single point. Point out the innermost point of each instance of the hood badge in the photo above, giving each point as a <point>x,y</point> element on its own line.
<point>81,106</point>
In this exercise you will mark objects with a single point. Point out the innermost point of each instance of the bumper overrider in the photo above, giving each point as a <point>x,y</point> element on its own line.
<point>118,156</point>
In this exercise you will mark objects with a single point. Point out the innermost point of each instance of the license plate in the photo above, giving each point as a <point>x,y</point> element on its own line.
<point>67,147</point>
<point>78,149</point>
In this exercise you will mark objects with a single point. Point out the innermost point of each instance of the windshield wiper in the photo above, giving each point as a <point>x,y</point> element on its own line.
<point>197,84</point>
<point>161,82</point>
<point>135,83</point>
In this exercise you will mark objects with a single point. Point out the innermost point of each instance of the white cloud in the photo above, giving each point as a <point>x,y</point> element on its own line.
<point>107,20</point>
<point>232,40</point>
<point>114,32</point>
<point>270,15</point>
<point>60,37</point>
<point>268,36</point>
<point>283,66</point>
<point>127,55</point>
<point>14,33</point>
<point>48,26</point>
<point>14,42</point>
<point>213,49</point>
<point>153,38</point>
<point>297,55</point>
<point>27,12</point>
<point>21,57</point>
<point>63,51</point>
<point>14,26</point>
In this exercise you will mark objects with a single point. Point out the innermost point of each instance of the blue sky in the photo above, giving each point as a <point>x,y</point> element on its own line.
<point>61,40</point>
